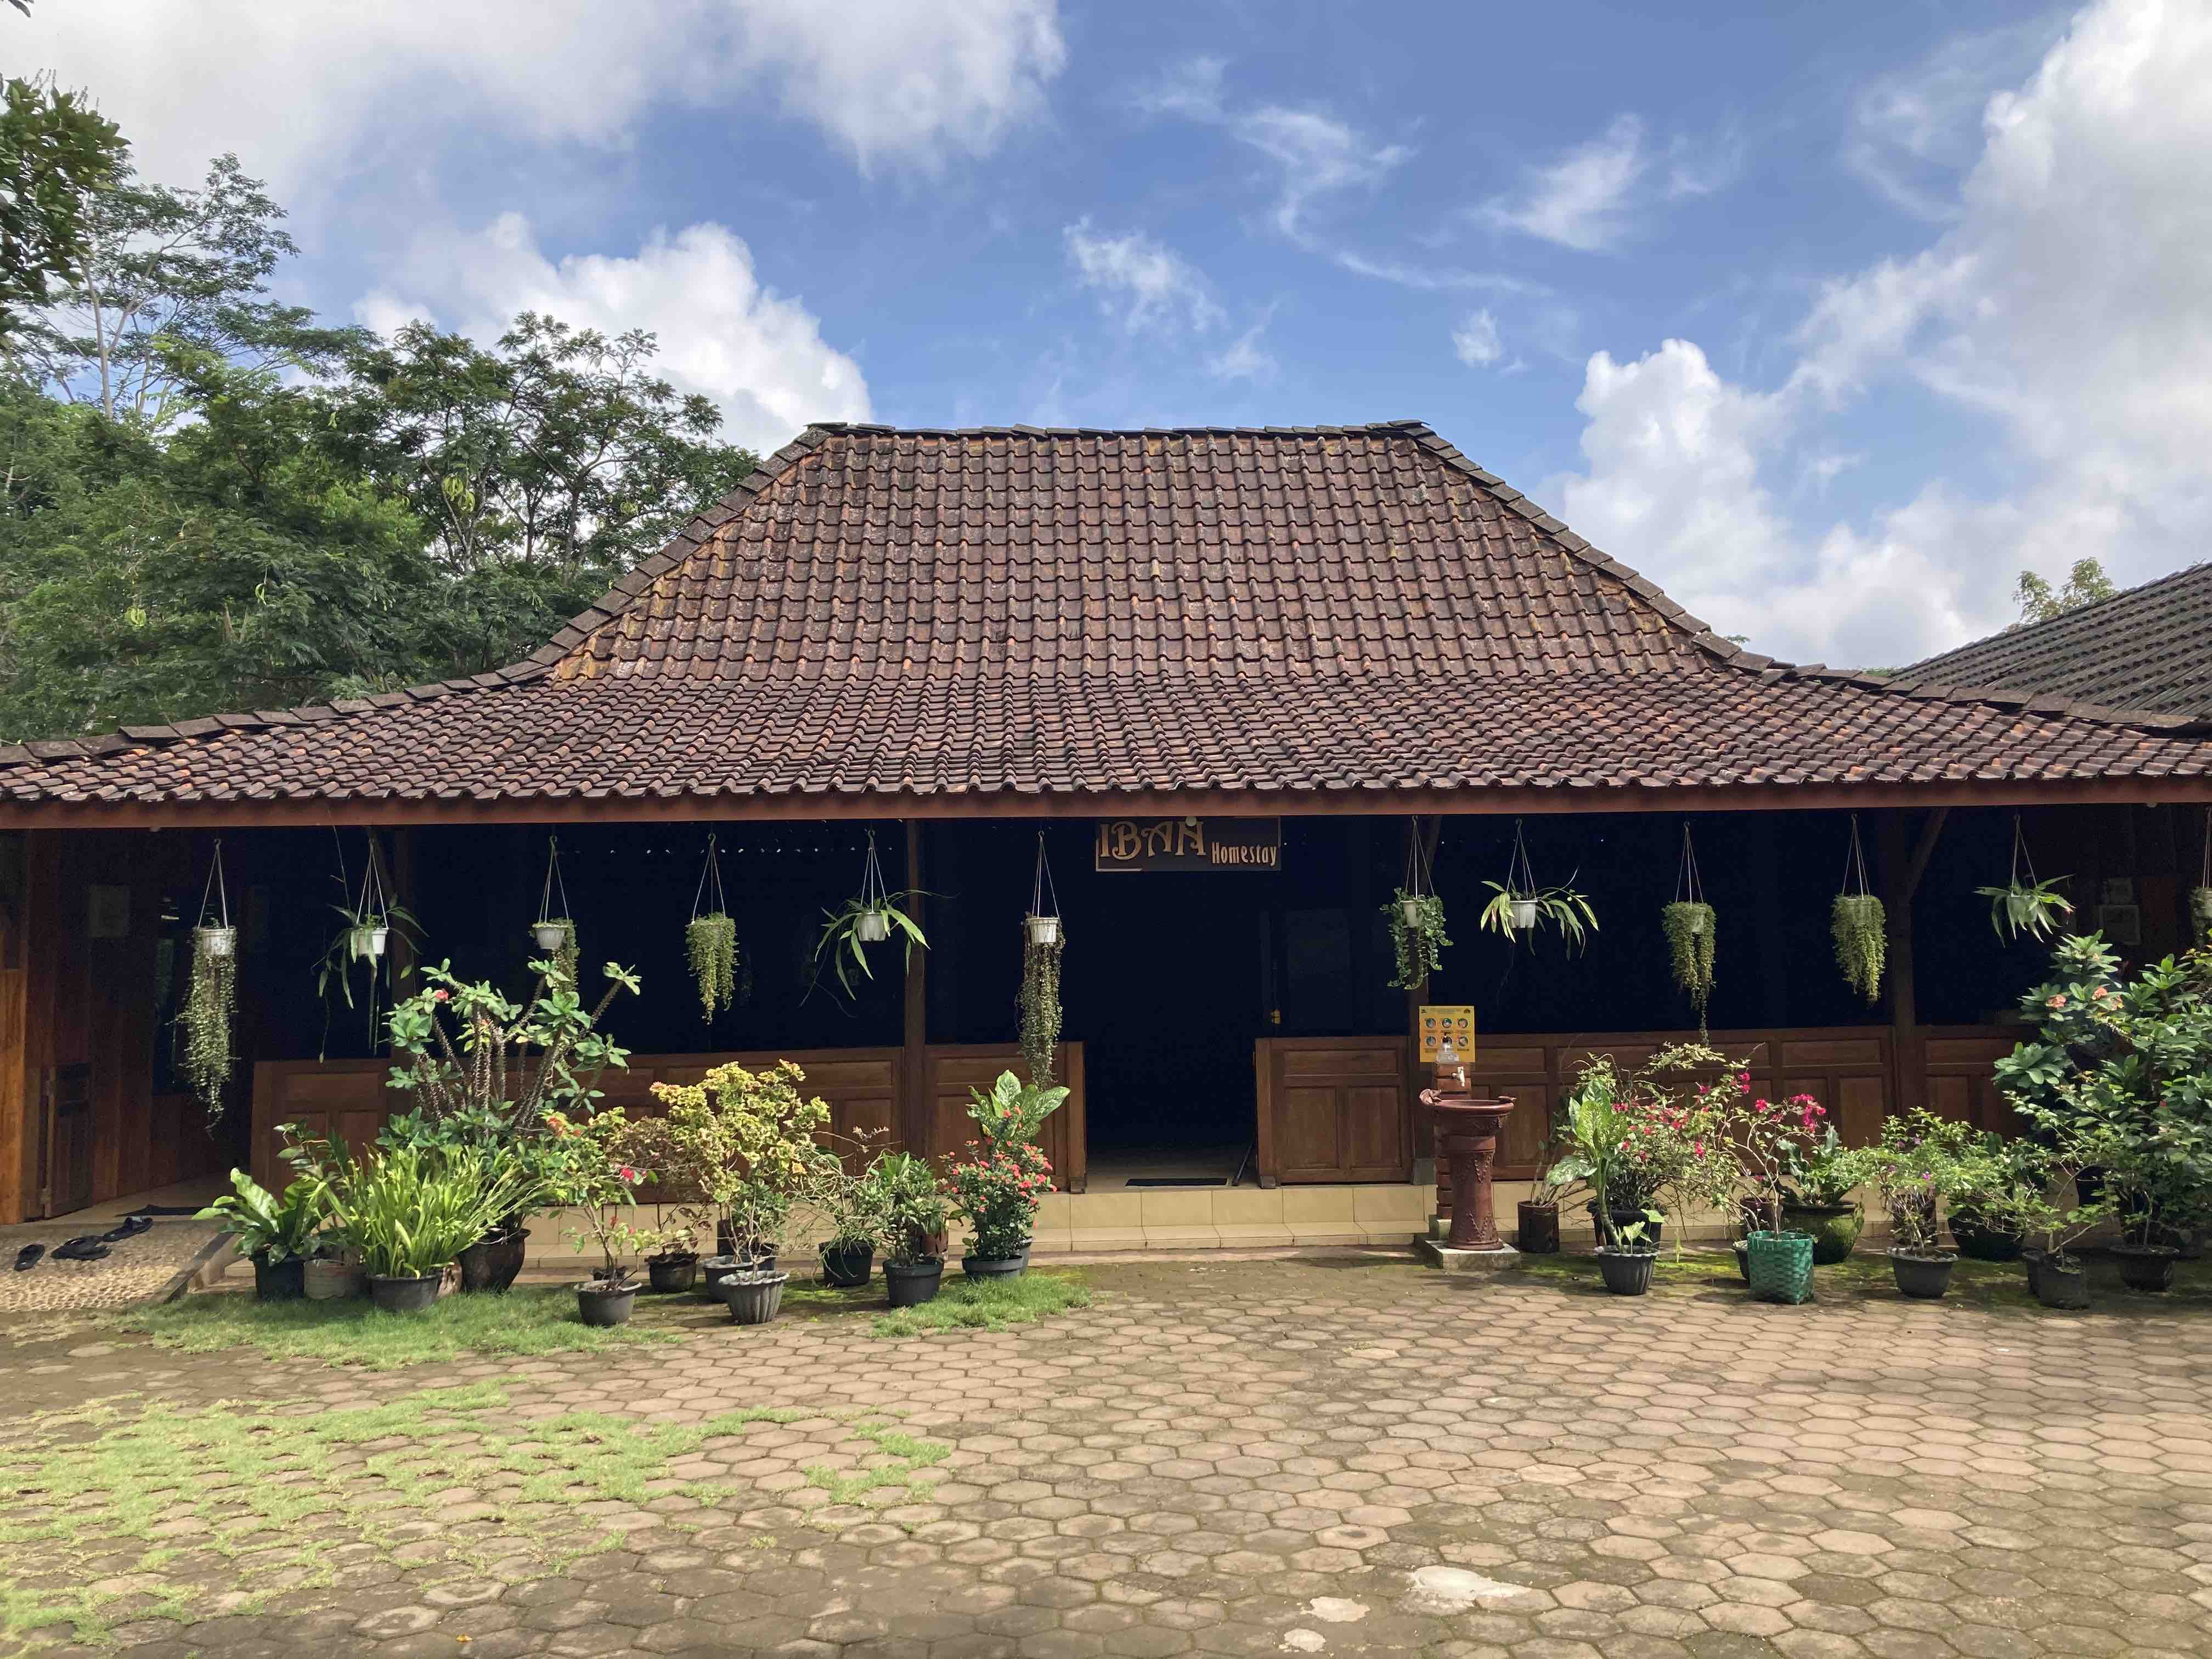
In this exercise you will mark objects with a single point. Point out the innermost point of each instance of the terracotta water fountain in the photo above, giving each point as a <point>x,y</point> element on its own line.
<point>1468,1132</point>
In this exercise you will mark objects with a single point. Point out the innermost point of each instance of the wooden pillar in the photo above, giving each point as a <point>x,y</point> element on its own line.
<point>914,1105</point>
<point>1427,1171</point>
<point>20,1175</point>
<point>1904,861</point>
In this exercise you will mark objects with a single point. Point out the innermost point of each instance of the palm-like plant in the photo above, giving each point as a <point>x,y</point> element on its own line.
<point>267,1226</point>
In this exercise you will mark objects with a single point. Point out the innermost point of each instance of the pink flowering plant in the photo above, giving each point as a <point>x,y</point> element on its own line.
<point>595,1179</point>
<point>995,1190</point>
<point>1769,1137</point>
<point>1649,1141</point>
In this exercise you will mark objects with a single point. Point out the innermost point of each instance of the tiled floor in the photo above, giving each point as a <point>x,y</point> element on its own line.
<point>1322,1457</point>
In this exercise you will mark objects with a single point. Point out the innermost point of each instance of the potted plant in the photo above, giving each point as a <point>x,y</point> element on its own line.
<point>1690,927</point>
<point>746,1140</point>
<point>1859,926</point>
<point>913,1221</point>
<point>2023,904</point>
<point>1518,906</point>
<point>867,918</point>
<point>410,1211</point>
<point>210,1005</point>
<point>1763,1135</point>
<point>1819,1174</point>
<point>601,1187</point>
<point>1626,1262</point>
<point>1594,1136</point>
<point>996,1183</point>
<point>1916,1169</point>
<point>850,1192</point>
<point>278,1234</point>
<point>1043,942</point>
<point>670,1248</point>
<point>1538,1215</point>
<point>2058,1215</point>
<point>2200,896</point>
<point>710,939</point>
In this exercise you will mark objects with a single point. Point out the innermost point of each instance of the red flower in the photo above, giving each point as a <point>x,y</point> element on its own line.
<point>441,995</point>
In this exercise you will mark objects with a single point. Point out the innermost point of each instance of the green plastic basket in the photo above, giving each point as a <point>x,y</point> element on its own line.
<point>1781,1267</point>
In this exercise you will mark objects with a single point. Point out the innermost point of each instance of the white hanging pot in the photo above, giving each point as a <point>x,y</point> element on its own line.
<point>1524,914</point>
<point>872,928</point>
<point>216,942</point>
<point>368,942</point>
<point>1697,924</point>
<point>548,935</point>
<point>1411,910</point>
<point>1043,930</point>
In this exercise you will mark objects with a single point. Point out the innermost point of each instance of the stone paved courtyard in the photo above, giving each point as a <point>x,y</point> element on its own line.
<point>1261,1456</point>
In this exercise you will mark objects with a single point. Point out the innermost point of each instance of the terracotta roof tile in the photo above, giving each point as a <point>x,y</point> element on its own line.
<point>1010,612</point>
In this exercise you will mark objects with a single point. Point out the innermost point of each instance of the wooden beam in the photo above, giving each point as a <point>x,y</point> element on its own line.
<point>819,807</point>
<point>1904,861</point>
<point>915,1107</point>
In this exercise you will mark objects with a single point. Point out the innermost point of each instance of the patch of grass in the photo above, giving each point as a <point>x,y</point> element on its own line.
<point>271,1492</point>
<point>528,1320</point>
<point>987,1304</point>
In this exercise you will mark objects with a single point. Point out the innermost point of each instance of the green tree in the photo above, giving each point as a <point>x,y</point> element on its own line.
<point>166,273</point>
<point>56,153</point>
<point>2086,584</point>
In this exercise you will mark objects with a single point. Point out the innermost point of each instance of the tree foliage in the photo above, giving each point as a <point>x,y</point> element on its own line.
<point>2086,584</point>
<point>211,500</point>
<point>56,151</point>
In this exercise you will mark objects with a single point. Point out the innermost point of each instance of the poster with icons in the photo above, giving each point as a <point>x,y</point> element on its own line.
<point>1447,1022</point>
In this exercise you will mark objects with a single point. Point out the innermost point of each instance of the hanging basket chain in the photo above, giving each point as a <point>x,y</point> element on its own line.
<point>1042,890</point>
<point>1688,889</point>
<point>215,895</point>
<point>1520,877</point>
<point>1855,862</point>
<point>2020,855</point>
<point>1420,874</point>
<point>710,876</point>
<point>553,883</point>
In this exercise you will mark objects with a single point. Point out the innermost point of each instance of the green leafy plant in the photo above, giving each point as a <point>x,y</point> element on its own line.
<point>411,1210</point>
<point>852,1192</point>
<point>710,943</point>
<point>1013,1111</point>
<point>746,1141</point>
<point>1512,912</point>
<point>913,1212</point>
<point>995,1188</point>
<point>267,1226</point>
<point>1418,943</point>
<point>1917,1167</point>
<point>1039,1002</point>
<point>1819,1171</point>
<point>1860,929</point>
<point>209,1010</point>
<point>2023,904</point>
<point>2200,913</point>
<point>1689,928</point>
<point>599,1183</point>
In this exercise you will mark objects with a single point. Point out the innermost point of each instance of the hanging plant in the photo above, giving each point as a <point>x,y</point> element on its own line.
<point>364,936</point>
<point>1859,926</point>
<point>211,1000</point>
<point>1518,906</point>
<point>2026,906</point>
<point>555,934</point>
<point>1043,938</point>
<point>710,940</point>
<point>867,918</point>
<point>1415,916</point>
<point>1689,926</point>
<point>2200,896</point>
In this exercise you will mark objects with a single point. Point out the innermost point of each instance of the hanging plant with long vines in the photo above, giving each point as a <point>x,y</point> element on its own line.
<point>2200,896</point>
<point>1688,924</point>
<point>1044,937</point>
<point>1859,926</point>
<point>710,939</point>
<point>1416,918</point>
<point>210,1007</point>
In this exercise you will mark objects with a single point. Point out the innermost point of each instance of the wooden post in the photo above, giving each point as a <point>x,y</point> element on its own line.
<point>1904,861</point>
<point>915,1107</point>
<point>1427,1169</point>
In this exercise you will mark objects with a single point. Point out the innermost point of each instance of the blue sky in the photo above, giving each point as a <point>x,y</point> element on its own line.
<point>1830,321</point>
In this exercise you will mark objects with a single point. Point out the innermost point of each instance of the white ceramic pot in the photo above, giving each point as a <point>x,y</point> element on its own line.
<point>548,935</point>
<point>216,941</point>
<point>368,943</point>
<point>1697,926</point>
<point>872,928</point>
<point>1043,930</point>
<point>1524,914</point>
<point>1411,910</point>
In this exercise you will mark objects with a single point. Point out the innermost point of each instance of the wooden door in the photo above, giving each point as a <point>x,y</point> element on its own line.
<point>69,1138</point>
<point>1334,1110</point>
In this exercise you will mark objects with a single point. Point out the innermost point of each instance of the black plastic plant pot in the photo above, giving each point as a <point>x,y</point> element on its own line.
<point>754,1298</point>
<point>1923,1278</point>
<point>491,1264</point>
<point>913,1283</point>
<point>996,1266</point>
<point>845,1266</point>
<point>668,1275</point>
<point>1539,1231</point>
<point>1627,1272</point>
<point>2146,1266</point>
<point>404,1292</point>
<point>2061,1281</point>
<point>1981,1242</point>
<point>279,1281</point>
<point>603,1304</point>
<point>715,1272</point>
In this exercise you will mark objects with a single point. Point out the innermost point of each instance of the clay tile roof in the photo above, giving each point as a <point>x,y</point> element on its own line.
<point>2149,648</point>
<point>878,614</point>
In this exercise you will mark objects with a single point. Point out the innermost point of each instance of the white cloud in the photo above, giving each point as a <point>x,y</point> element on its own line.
<point>1245,358</point>
<point>1146,283</point>
<point>757,354</point>
<point>301,88</point>
<point>1318,156</point>
<point>1915,129</point>
<point>2069,302</point>
<point>1582,200</point>
<point>1476,340</point>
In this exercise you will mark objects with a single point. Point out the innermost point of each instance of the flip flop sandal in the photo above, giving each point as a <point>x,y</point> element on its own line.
<point>83,1249</point>
<point>28,1257</point>
<point>130,1227</point>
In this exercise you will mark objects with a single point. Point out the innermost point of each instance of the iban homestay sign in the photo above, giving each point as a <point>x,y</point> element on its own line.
<point>1188,844</point>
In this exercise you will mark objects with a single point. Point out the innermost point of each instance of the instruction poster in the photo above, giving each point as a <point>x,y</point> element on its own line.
<point>1442,1022</point>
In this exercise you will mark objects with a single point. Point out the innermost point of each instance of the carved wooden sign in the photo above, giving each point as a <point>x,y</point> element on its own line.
<point>1188,844</point>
